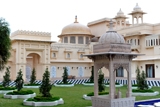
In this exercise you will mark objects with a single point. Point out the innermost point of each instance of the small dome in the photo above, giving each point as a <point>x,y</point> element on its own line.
<point>111,36</point>
<point>76,28</point>
<point>120,13</point>
<point>137,7</point>
<point>95,39</point>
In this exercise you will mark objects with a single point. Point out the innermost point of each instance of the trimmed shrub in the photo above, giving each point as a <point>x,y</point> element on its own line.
<point>43,99</point>
<point>143,91</point>
<point>33,76</point>
<point>21,92</point>
<point>31,84</point>
<point>101,81</point>
<point>99,93</point>
<point>65,76</point>
<point>92,75</point>
<point>7,88</point>
<point>46,85</point>
<point>19,80</point>
<point>6,78</point>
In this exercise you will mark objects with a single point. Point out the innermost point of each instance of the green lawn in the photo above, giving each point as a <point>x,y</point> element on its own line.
<point>72,96</point>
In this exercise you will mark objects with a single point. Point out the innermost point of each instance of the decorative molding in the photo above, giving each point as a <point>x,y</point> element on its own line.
<point>124,65</point>
<point>35,33</point>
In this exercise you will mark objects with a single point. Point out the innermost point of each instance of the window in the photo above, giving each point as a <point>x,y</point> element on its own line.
<point>81,56</point>
<point>138,42</point>
<point>72,39</point>
<point>54,55</point>
<point>156,41</point>
<point>68,55</point>
<point>87,40</point>
<point>150,73</point>
<point>119,72</point>
<point>65,39</point>
<point>80,40</point>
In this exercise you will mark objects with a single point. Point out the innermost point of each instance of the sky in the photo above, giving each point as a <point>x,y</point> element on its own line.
<point>52,15</point>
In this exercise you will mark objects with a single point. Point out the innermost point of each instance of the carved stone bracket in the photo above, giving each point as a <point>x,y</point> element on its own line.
<point>124,65</point>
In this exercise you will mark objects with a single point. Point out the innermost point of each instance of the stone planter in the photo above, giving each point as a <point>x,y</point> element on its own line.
<point>120,85</point>
<point>90,97</point>
<point>31,86</point>
<point>6,91</point>
<point>88,84</point>
<point>149,87</point>
<point>64,85</point>
<point>145,94</point>
<point>53,103</point>
<point>19,96</point>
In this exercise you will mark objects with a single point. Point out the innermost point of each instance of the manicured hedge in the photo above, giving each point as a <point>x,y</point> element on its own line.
<point>143,91</point>
<point>116,83</point>
<point>43,99</point>
<point>7,88</point>
<point>135,85</point>
<point>89,82</point>
<point>100,93</point>
<point>63,83</point>
<point>20,92</point>
<point>31,84</point>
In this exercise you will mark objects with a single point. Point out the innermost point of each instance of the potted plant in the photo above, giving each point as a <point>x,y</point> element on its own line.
<point>19,93</point>
<point>64,82</point>
<point>46,98</point>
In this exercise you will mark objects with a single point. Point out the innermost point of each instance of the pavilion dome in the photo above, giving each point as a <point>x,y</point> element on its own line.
<point>120,13</point>
<point>76,28</point>
<point>137,7</point>
<point>111,36</point>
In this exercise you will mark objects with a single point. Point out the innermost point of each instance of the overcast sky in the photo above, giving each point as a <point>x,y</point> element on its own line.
<point>52,15</point>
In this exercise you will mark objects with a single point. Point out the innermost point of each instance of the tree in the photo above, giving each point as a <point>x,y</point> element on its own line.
<point>19,80</point>
<point>138,77</point>
<point>5,43</point>
<point>141,80</point>
<point>65,75</point>
<point>92,75</point>
<point>46,84</point>
<point>101,81</point>
<point>33,76</point>
<point>6,78</point>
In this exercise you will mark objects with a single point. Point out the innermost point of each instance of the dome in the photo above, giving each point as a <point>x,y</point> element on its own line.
<point>95,39</point>
<point>120,13</point>
<point>111,36</point>
<point>137,7</point>
<point>76,28</point>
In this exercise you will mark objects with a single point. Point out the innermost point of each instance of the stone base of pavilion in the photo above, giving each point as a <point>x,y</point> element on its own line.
<point>101,101</point>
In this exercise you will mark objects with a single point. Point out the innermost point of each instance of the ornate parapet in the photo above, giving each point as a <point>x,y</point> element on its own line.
<point>25,32</point>
<point>113,47</point>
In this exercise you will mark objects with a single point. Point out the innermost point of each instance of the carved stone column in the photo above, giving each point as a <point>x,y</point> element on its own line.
<point>129,81</point>
<point>95,80</point>
<point>111,79</point>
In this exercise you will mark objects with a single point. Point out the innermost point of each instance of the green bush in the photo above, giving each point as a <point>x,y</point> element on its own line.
<point>135,85</point>
<point>43,99</point>
<point>143,91</point>
<point>116,83</point>
<point>99,93</point>
<point>7,88</point>
<point>63,83</point>
<point>31,84</point>
<point>21,92</point>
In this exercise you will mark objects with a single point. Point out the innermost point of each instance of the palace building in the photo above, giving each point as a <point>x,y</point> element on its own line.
<point>32,49</point>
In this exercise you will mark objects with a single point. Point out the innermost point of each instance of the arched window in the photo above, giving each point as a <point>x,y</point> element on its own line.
<point>54,55</point>
<point>138,42</point>
<point>68,55</point>
<point>87,40</point>
<point>53,72</point>
<point>151,42</point>
<point>135,42</point>
<point>81,56</point>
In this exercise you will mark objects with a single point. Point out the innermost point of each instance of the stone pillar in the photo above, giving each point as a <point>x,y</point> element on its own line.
<point>129,81</point>
<point>95,80</point>
<point>142,18</point>
<point>137,20</point>
<point>111,79</point>
<point>132,20</point>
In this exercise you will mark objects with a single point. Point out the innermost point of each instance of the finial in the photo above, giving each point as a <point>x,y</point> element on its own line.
<point>111,25</point>
<point>120,9</point>
<point>136,4</point>
<point>76,19</point>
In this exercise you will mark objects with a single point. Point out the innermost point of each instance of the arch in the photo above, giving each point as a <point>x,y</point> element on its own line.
<point>53,71</point>
<point>28,53</point>
<point>80,71</point>
<point>28,73</point>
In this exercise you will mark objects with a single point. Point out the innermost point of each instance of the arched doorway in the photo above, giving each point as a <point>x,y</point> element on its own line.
<point>33,61</point>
